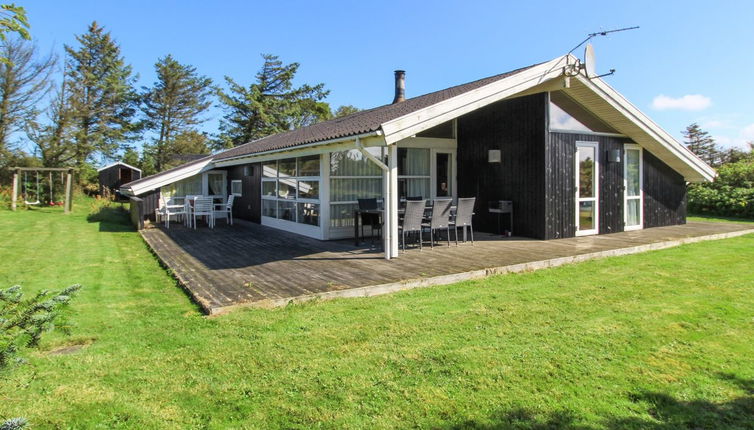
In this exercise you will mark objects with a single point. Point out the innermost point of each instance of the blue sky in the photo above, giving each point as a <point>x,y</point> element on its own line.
<point>690,60</point>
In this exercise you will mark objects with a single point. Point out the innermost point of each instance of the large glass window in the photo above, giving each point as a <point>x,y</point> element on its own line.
<point>186,187</point>
<point>352,177</point>
<point>413,173</point>
<point>290,189</point>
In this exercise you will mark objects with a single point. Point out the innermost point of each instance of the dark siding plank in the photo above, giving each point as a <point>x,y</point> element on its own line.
<point>517,128</point>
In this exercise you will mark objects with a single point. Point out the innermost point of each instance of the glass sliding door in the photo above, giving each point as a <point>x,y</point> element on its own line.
<point>632,176</point>
<point>587,188</point>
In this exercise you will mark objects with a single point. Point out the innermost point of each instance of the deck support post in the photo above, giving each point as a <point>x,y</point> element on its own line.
<point>14,196</point>
<point>387,203</point>
<point>393,192</point>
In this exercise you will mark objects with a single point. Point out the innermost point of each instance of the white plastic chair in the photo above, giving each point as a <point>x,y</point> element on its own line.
<point>203,206</point>
<point>167,209</point>
<point>225,210</point>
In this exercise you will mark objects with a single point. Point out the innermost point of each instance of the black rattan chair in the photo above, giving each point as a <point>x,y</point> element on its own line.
<point>370,219</point>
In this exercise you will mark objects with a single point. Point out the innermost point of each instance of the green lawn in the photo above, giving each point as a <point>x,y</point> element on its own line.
<point>661,340</point>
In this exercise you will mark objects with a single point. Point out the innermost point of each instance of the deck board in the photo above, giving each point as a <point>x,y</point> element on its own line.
<point>249,264</point>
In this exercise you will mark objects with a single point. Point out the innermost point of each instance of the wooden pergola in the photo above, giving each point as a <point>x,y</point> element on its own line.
<point>68,202</point>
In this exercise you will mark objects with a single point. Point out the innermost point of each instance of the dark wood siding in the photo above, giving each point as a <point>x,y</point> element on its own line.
<point>249,205</point>
<point>561,183</point>
<point>664,194</point>
<point>115,176</point>
<point>517,128</point>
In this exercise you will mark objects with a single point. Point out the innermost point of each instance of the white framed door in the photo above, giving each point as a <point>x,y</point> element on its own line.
<point>214,183</point>
<point>443,174</point>
<point>587,188</point>
<point>633,187</point>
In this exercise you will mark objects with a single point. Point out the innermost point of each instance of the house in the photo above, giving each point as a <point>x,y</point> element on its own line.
<point>116,174</point>
<point>572,154</point>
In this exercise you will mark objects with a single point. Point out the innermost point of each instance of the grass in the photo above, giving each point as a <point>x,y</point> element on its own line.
<point>658,340</point>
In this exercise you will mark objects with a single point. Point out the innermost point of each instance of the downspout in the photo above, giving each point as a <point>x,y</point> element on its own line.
<point>387,199</point>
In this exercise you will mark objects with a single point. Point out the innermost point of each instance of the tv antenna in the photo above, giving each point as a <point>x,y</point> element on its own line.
<point>589,64</point>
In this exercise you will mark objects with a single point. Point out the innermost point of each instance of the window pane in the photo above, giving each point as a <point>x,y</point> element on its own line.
<point>413,187</point>
<point>345,190</point>
<point>413,162</point>
<point>632,172</point>
<point>586,171</point>
<point>308,166</point>
<point>268,188</point>
<point>287,189</point>
<point>269,208</point>
<point>235,188</point>
<point>287,167</point>
<point>270,169</point>
<point>308,189</point>
<point>342,215</point>
<point>216,184</point>
<point>633,212</point>
<point>287,210</point>
<point>308,213</point>
<point>354,163</point>
<point>586,215</point>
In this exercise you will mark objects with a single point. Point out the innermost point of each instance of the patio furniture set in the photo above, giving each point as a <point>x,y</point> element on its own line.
<point>191,208</point>
<point>418,216</point>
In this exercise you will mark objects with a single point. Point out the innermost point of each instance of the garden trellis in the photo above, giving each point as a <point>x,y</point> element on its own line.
<point>35,172</point>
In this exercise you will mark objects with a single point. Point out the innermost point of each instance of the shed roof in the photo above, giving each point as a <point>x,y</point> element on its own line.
<point>119,163</point>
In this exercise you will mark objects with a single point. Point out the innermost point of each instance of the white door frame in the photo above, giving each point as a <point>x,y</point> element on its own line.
<point>433,171</point>
<point>596,198</point>
<point>628,147</point>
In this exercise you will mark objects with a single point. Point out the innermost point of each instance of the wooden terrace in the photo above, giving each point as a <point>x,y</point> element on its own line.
<point>251,265</point>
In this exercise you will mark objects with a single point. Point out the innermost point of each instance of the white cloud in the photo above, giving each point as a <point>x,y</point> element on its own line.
<point>687,102</point>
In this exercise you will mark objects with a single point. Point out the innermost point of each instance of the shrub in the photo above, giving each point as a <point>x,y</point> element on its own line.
<point>731,194</point>
<point>22,321</point>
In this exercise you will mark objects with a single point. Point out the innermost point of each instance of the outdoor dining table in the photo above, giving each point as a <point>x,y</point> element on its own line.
<point>357,216</point>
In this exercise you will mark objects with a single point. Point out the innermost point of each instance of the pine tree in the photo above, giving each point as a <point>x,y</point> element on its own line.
<point>101,95</point>
<point>174,106</point>
<point>24,83</point>
<point>702,144</point>
<point>269,105</point>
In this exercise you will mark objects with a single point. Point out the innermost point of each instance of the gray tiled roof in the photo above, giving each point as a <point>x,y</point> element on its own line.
<point>358,123</point>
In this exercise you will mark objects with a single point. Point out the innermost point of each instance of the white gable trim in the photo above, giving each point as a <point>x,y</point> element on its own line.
<point>161,179</point>
<point>641,120</point>
<point>119,163</point>
<point>415,122</point>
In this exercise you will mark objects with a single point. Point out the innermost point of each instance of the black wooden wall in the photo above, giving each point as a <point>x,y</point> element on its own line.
<point>664,194</point>
<point>249,205</point>
<point>111,177</point>
<point>560,185</point>
<point>516,127</point>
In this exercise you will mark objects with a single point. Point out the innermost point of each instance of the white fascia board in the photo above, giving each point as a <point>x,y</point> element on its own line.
<point>162,179</point>
<point>119,163</point>
<point>620,103</point>
<point>415,122</point>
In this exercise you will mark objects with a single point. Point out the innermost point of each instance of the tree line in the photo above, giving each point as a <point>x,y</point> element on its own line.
<point>87,107</point>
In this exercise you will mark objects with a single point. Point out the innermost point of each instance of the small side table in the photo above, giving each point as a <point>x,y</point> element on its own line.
<point>501,207</point>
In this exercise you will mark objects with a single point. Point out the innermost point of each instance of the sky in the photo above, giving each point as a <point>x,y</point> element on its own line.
<point>690,61</point>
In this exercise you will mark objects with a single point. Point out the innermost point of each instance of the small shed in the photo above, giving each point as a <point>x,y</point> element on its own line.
<point>116,174</point>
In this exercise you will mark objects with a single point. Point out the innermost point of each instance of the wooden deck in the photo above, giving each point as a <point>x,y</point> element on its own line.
<point>251,265</point>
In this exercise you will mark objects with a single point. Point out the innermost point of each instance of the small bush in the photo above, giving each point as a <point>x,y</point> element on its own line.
<point>731,194</point>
